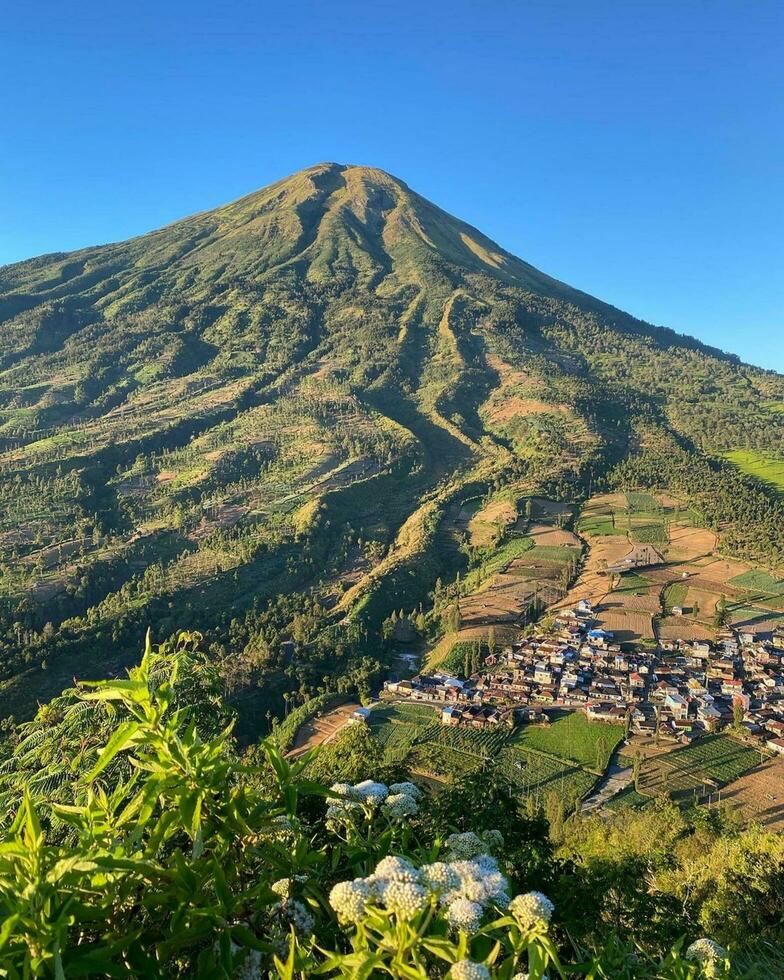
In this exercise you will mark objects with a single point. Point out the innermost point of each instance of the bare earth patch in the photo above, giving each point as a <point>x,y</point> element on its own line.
<point>317,731</point>
<point>759,795</point>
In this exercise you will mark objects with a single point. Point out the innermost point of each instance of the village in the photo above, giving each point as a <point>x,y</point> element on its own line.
<point>677,692</point>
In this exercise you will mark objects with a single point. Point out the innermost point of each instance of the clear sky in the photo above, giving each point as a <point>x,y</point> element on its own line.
<point>634,150</point>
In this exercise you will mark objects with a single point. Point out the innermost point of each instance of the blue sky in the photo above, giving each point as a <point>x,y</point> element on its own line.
<point>634,150</point>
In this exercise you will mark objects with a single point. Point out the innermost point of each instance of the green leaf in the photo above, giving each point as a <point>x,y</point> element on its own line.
<point>122,736</point>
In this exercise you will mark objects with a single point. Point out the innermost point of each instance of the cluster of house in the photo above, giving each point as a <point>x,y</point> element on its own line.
<point>679,691</point>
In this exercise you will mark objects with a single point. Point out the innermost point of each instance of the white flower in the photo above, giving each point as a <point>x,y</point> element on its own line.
<point>463,914</point>
<point>404,898</point>
<point>439,877</point>
<point>250,968</point>
<point>282,887</point>
<point>399,805</point>
<point>485,863</point>
<point>296,913</point>
<point>342,789</point>
<point>493,838</point>
<point>370,792</point>
<point>708,954</point>
<point>465,845</point>
<point>396,869</point>
<point>408,789</point>
<point>502,900</point>
<point>349,898</point>
<point>532,910</point>
<point>468,970</point>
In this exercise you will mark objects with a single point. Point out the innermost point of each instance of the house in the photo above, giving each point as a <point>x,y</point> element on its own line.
<point>451,715</point>
<point>360,715</point>
<point>776,745</point>
<point>678,705</point>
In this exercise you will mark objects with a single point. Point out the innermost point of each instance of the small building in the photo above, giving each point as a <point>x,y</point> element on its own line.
<point>776,745</point>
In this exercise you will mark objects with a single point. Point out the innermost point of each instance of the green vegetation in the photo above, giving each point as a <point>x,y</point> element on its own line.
<point>759,581</point>
<point>675,595</point>
<point>632,582</point>
<point>165,852</point>
<point>763,466</point>
<point>571,736</point>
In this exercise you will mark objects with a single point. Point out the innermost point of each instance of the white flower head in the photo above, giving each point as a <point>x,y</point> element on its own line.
<point>494,839</point>
<point>532,910</point>
<point>464,915</point>
<point>341,789</point>
<point>349,899</point>
<point>485,863</point>
<point>396,869</point>
<point>297,915</point>
<point>282,887</point>
<point>408,789</point>
<point>370,792</point>
<point>709,955</point>
<point>405,898</point>
<point>468,970</point>
<point>250,968</point>
<point>439,877</point>
<point>399,805</point>
<point>465,845</point>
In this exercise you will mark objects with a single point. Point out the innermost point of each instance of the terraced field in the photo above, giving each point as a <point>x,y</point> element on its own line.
<point>537,760</point>
<point>698,769</point>
<point>571,736</point>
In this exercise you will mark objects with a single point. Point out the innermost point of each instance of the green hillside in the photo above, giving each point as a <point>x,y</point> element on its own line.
<point>263,421</point>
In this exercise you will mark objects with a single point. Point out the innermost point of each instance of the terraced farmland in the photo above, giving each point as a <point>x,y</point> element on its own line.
<point>571,736</point>
<point>535,759</point>
<point>700,768</point>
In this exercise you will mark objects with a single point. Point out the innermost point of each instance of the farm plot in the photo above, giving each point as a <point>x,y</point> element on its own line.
<point>441,760</point>
<point>759,795</point>
<point>482,743</point>
<point>572,736</point>
<point>699,768</point>
<point>537,774</point>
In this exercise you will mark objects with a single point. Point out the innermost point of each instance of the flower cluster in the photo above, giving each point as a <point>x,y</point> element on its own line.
<point>469,970</point>
<point>364,799</point>
<point>469,845</point>
<point>533,911</point>
<point>463,890</point>
<point>709,955</point>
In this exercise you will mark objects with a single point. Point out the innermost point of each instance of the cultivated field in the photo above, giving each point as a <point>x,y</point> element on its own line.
<point>759,795</point>
<point>571,736</point>
<point>561,758</point>
<point>699,769</point>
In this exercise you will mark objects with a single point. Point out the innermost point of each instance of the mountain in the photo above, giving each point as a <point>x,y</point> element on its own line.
<point>264,420</point>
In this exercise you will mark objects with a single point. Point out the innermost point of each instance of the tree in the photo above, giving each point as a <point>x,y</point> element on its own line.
<point>637,769</point>
<point>722,615</point>
<point>738,713</point>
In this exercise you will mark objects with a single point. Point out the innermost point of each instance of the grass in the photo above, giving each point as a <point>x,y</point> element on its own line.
<point>650,534</point>
<point>675,595</point>
<point>719,759</point>
<point>539,774</point>
<point>571,736</point>
<point>628,799</point>
<point>758,581</point>
<point>763,466</point>
<point>597,525</point>
<point>641,502</point>
<point>632,582</point>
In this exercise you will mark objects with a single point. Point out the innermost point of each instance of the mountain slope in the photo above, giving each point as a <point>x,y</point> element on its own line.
<point>292,394</point>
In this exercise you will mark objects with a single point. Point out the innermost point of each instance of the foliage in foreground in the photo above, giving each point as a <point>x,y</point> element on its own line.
<point>174,857</point>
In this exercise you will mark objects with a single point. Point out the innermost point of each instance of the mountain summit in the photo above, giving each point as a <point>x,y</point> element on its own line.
<point>296,390</point>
